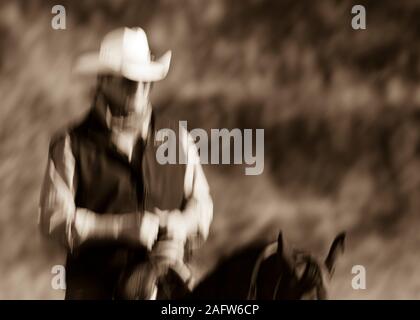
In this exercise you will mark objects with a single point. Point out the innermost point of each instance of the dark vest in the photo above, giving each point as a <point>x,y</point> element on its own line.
<point>107,182</point>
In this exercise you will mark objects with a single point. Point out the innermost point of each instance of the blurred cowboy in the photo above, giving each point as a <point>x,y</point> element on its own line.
<point>125,219</point>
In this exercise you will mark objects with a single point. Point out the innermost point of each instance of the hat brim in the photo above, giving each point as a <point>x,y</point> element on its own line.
<point>89,64</point>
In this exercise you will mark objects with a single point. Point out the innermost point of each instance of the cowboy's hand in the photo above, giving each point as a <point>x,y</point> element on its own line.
<point>167,253</point>
<point>135,228</point>
<point>149,229</point>
<point>175,224</point>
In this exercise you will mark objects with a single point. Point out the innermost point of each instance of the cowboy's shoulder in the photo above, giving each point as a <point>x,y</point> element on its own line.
<point>58,143</point>
<point>65,136</point>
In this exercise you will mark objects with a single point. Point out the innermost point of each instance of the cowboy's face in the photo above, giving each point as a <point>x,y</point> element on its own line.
<point>125,96</point>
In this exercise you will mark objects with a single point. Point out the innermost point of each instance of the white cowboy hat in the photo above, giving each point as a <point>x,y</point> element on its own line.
<point>125,52</point>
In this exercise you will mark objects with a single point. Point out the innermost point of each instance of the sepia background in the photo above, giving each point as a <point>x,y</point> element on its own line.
<point>340,109</point>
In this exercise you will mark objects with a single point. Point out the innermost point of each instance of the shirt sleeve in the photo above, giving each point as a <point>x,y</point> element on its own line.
<point>60,219</point>
<point>199,206</point>
<point>57,208</point>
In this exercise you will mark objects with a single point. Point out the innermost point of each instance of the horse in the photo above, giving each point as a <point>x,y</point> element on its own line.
<point>271,272</point>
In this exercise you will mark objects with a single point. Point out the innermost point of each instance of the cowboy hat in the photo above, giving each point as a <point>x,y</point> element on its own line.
<point>125,52</point>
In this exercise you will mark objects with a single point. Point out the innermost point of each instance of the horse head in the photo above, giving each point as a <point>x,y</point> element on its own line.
<point>286,273</point>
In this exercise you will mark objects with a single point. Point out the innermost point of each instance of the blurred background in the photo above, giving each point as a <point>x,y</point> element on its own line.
<point>340,109</point>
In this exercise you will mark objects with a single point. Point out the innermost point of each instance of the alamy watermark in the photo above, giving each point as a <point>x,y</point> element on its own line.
<point>213,149</point>
<point>58,22</point>
<point>58,280</point>
<point>358,22</point>
<point>358,281</point>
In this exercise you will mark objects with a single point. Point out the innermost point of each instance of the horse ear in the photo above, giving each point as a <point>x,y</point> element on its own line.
<point>280,244</point>
<point>284,252</point>
<point>337,247</point>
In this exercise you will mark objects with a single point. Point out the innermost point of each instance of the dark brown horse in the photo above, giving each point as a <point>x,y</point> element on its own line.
<point>272,272</point>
